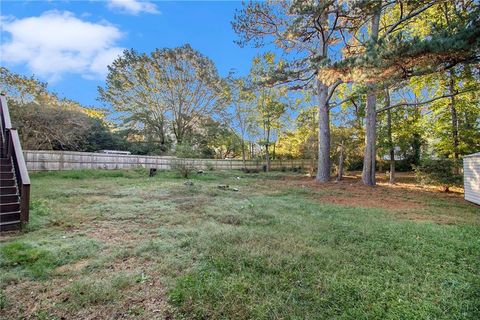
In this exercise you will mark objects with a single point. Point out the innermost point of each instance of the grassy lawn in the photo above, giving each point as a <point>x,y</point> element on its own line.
<point>120,245</point>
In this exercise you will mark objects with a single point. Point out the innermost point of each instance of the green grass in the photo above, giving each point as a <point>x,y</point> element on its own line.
<point>108,243</point>
<point>38,258</point>
<point>82,293</point>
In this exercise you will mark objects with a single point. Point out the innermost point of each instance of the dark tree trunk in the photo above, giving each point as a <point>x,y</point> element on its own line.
<point>453,112</point>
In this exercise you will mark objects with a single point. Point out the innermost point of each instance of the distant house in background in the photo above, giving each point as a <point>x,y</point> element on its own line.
<point>114,152</point>
<point>471,177</point>
<point>397,157</point>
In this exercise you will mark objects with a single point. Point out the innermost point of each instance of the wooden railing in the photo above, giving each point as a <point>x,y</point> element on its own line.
<point>14,151</point>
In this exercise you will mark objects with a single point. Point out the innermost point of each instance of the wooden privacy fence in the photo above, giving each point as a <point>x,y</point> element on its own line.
<point>39,160</point>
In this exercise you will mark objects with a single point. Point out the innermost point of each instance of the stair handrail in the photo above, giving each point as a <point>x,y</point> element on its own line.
<point>5,122</point>
<point>14,150</point>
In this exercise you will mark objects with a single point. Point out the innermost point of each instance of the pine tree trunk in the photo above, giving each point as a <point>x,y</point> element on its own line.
<point>368,174</point>
<point>323,171</point>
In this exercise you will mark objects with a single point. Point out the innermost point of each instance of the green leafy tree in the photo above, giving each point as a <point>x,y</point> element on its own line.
<point>306,32</point>
<point>241,99</point>
<point>439,172</point>
<point>167,92</point>
<point>270,101</point>
<point>47,122</point>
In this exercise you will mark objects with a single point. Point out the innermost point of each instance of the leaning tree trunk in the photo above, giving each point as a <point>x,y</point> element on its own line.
<point>368,174</point>
<point>323,171</point>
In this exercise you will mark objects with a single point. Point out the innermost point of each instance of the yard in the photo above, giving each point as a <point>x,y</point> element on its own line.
<point>121,245</point>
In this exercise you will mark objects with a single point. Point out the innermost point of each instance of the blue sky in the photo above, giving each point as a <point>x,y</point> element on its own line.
<point>69,43</point>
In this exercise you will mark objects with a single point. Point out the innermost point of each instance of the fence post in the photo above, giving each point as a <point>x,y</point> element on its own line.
<point>61,161</point>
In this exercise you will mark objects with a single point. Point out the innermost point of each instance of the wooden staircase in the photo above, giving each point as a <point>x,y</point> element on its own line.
<point>14,179</point>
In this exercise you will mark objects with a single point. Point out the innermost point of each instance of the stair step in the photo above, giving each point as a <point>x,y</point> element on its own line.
<point>9,207</point>
<point>10,225</point>
<point>8,190</point>
<point>7,182</point>
<point>9,198</point>
<point>5,161</point>
<point>10,216</point>
<point>6,175</point>
<point>6,168</point>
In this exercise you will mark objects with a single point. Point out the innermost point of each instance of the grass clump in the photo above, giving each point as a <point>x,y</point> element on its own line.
<point>33,260</point>
<point>3,300</point>
<point>86,292</point>
<point>40,214</point>
<point>38,259</point>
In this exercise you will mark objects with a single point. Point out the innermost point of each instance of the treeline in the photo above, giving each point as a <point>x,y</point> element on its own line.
<point>47,122</point>
<point>360,85</point>
<point>389,67</point>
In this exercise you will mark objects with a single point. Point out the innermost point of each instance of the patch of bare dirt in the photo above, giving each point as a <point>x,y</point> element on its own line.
<point>74,267</point>
<point>350,192</point>
<point>145,299</point>
<point>405,199</point>
<point>112,234</point>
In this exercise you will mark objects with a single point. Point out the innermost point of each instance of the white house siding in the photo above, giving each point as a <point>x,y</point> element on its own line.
<point>471,177</point>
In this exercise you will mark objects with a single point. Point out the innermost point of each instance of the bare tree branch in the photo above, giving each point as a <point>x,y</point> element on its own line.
<point>416,104</point>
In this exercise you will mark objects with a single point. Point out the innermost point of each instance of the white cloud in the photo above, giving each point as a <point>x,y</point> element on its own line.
<point>133,6</point>
<point>56,43</point>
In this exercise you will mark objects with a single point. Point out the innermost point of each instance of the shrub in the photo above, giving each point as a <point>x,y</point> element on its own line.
<point>439,172</point>
<point>185,150</point>
<point>209,166</point>
<point>185,168</point>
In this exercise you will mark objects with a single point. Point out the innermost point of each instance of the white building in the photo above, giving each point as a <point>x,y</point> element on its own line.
<point>471,177</point>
